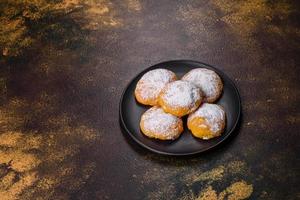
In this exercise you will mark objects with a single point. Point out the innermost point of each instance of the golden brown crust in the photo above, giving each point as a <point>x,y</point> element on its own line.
<point>146,101</point>
<point>155,123</point>
<point>207,122</point>
<point>180,98</point>
<point>178,111</point>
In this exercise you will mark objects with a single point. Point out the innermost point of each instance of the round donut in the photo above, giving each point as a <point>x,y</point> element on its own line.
<point>180,98</point>
<point>150,85</point>
<point>155,123</point>
<point>207,122</point>
<point>208,81</point>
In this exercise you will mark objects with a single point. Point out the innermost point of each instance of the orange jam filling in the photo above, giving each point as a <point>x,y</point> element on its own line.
<point>200,128</point>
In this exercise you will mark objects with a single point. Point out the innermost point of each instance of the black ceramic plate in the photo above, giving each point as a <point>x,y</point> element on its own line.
<point>186,144</point>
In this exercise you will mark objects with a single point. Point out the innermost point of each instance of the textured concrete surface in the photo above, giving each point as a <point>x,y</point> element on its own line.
<point>64,64</point>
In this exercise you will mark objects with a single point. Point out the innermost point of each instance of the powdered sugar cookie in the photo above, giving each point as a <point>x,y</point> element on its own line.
<point>208,81</point>
<point>208,121</point>
<point>151,84</point>
<point>155,123</point>
<point>180,98</point>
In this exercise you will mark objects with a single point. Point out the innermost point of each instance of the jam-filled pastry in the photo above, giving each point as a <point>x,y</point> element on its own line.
<point>180,98</point>
<point>151,84</point>
<point>208,81</point>
<point>207,122</point>
<point>155,123</point>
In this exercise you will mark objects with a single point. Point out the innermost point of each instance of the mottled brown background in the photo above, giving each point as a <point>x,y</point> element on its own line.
<point>64,64</point>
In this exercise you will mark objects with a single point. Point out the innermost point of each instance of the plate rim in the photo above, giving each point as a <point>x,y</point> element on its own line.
<point>180,154</point>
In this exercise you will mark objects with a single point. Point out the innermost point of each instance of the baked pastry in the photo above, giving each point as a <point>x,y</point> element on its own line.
<point>207,122</point>
<point>208,81</point>
<point>180,98</point>
<point>155,123</point>
<point>150,85</point>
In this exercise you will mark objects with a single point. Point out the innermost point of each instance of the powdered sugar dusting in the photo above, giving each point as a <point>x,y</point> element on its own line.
<point>207,80</point>
<point>212,113</point>
<point>161,123</point>
<point>181,94</point>
<point>151,83</point>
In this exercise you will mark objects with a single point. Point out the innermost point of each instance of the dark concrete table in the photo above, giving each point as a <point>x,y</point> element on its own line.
<point>64,66</point>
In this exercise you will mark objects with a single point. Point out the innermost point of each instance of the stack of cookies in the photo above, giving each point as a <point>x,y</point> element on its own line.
<point>172,99</point>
